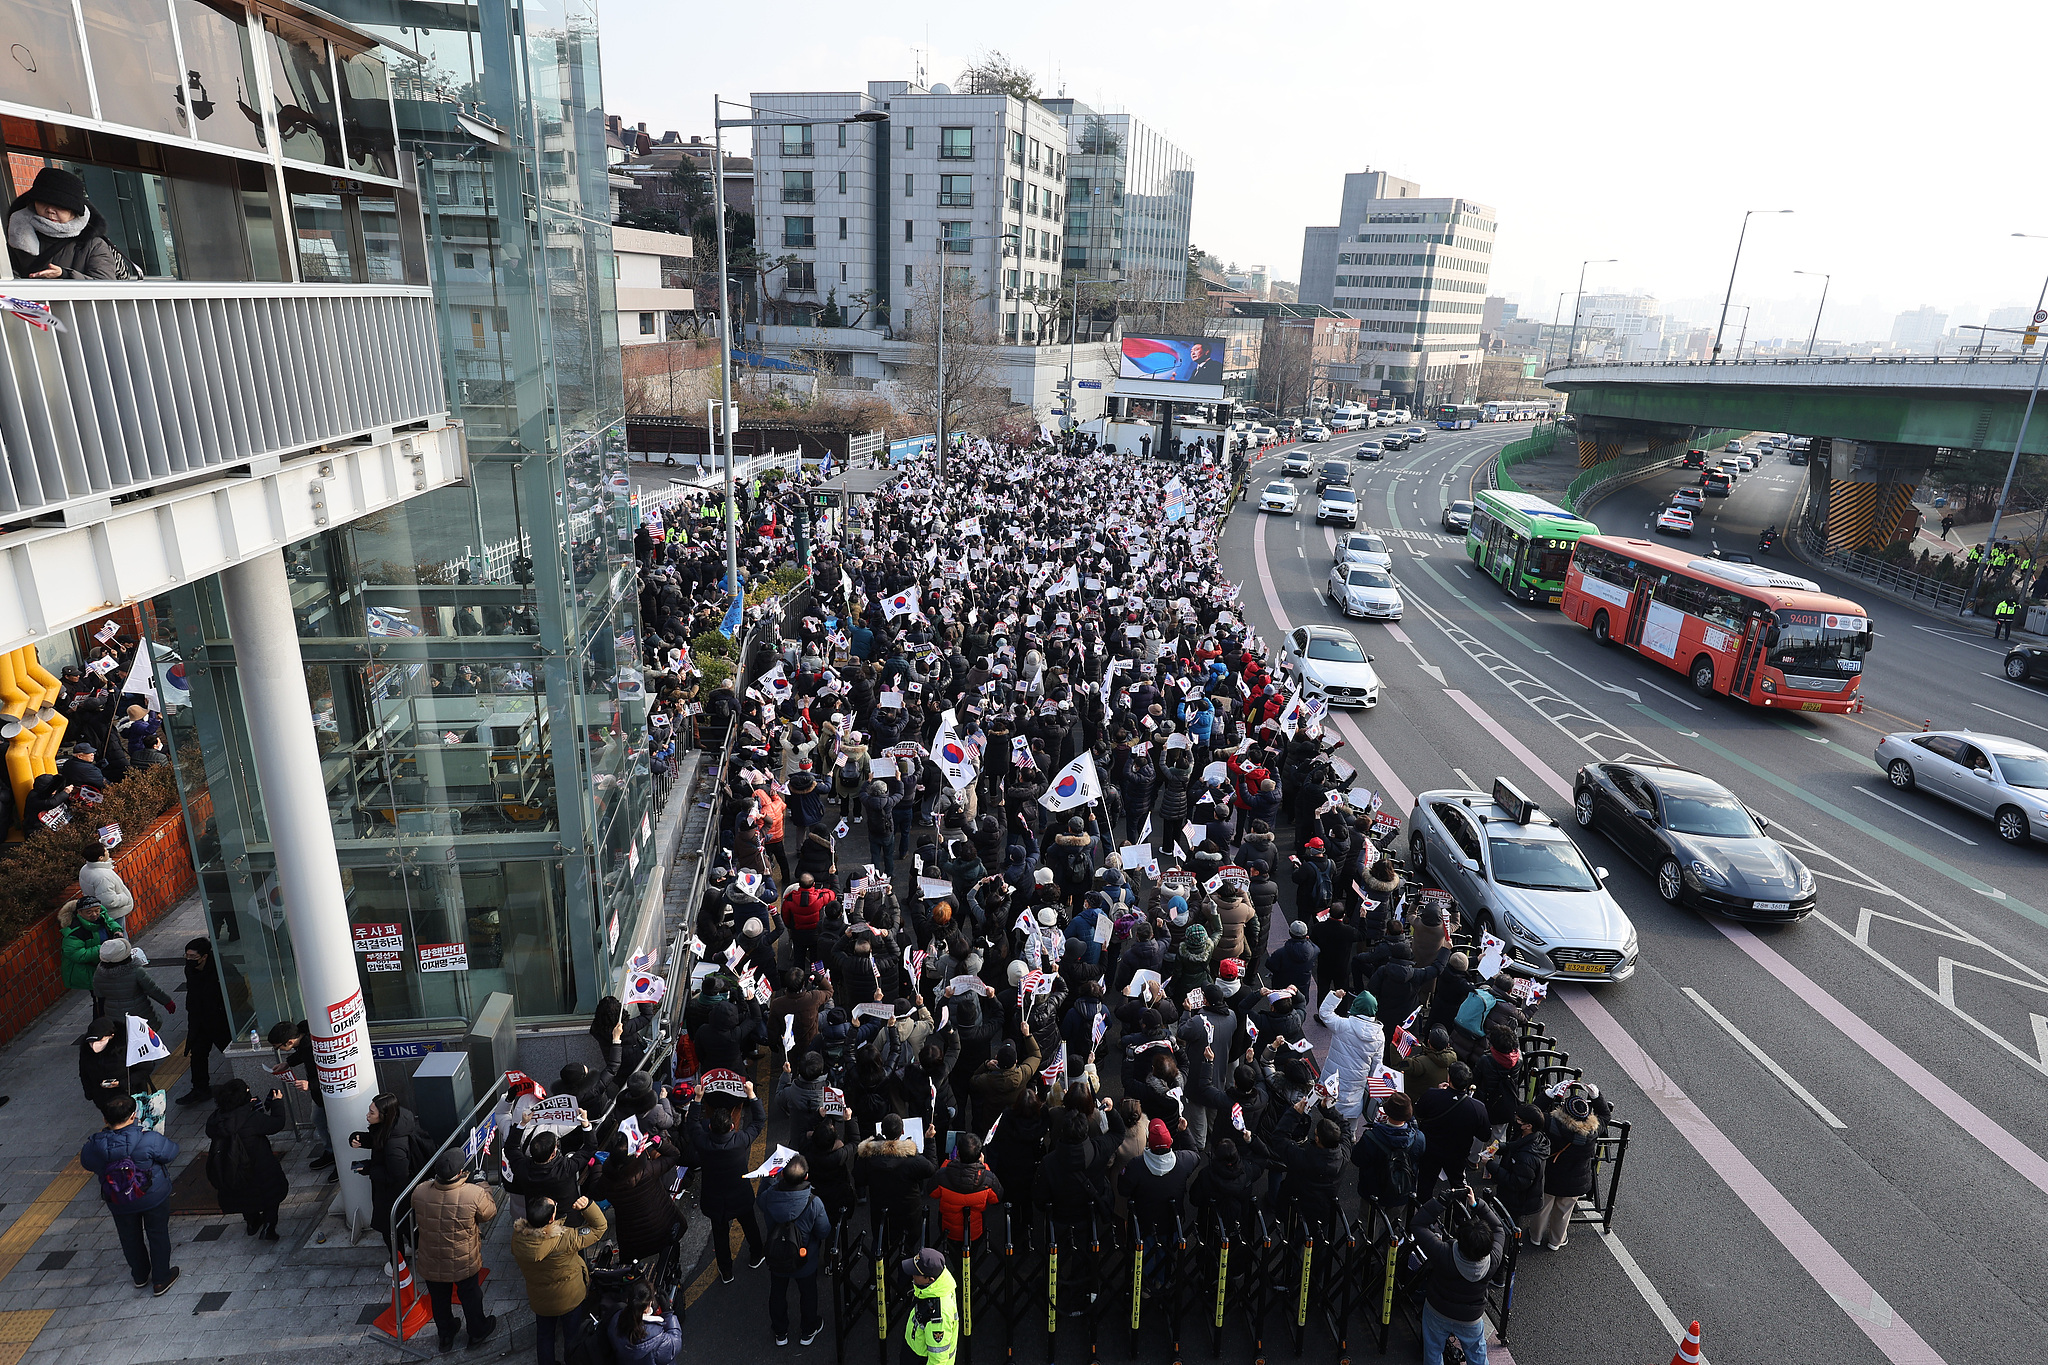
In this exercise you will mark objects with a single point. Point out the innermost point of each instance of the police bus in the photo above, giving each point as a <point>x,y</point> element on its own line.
<point>1523,543</point>
<point>1741,630</point>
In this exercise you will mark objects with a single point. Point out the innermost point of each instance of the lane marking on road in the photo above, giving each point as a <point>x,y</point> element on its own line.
<point>2025,1162</point>
<point>1466,778</point>
<point>1521,751</point>
<point>1673,695</point>
<point>1363,747</point>
<point>2033,691</point>
<point>2008,715</point>
<point>1641,1281</point>
<point>1888,1331</point>
<point>1763,1058</point>
<point>1865,791</point>
<point>1959,637</point>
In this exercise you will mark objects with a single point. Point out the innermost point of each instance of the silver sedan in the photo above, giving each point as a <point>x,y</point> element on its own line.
<point>2003,779</point>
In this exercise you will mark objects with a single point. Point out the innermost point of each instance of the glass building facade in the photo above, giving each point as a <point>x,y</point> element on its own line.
<point>1130,203</point>
<point>471,655</point>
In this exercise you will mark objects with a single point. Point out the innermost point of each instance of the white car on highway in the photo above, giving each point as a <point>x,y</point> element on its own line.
<point>1315,432</point>
<point>1337,503</point>
<point>1690,498</point>
<point>1674,521</point>
<point>1327,662</point>
<point>1363,547</point>
<point>1280,496</point>
<point>1364,590</point>
<point>1297,462</point>
<point>1517,875</point>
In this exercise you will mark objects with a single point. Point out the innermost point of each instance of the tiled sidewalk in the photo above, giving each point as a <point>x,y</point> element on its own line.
<point>64,1290</point>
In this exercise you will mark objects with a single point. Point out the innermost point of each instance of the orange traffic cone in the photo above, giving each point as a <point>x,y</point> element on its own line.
<point>1689,1349</point>
<point>411,1311</point>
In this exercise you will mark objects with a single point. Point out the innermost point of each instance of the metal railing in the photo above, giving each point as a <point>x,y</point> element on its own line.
<point>141,384</point>
<point>1884,573</point>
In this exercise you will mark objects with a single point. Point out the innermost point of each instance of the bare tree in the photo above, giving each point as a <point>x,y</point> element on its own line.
<point>972,396</point>
<point>1286,362</point>
<point>992,73</point>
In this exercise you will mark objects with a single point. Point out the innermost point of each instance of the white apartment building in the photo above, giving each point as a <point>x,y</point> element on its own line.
<point>1413,271</point>
<point>651,267</point>
<point>1631,327</point>
<point>869,210</point>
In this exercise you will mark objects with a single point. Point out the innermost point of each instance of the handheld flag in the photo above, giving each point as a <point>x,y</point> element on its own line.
<point>1074,785</point>
<point>1057,1072</point>
<point>645,988</point>
<point>905,603</point>
<point>143,1043</point>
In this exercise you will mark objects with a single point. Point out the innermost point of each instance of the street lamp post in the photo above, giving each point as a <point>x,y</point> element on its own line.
<point>1825,280</point>
<point>1743,335</point>
<point>2019,442</point>
<point>718,127</point>
<point>1551,340</point>
<point>1571,347</point>
<point>1725,298</point>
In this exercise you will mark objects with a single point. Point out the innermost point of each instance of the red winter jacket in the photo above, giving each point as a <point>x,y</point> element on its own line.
<point>963,1192</point>
<point>804,905</point>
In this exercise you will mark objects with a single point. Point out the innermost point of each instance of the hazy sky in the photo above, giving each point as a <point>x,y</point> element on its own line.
<point>1899,135</point>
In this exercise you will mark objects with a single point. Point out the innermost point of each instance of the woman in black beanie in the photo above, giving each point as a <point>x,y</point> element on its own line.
<point>53,233</point>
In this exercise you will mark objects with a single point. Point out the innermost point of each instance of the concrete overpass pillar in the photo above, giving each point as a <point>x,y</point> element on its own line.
<point>1867,514</point>
<point>1598,448</point>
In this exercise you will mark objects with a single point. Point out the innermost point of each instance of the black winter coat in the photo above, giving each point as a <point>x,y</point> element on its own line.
<point>725,1159</point>
<point>643,1215</point>
<point>240,1164</point>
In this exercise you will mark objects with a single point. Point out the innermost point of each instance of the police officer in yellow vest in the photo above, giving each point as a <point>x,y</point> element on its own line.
<point>2004,611</point>
<point>933,1333</point>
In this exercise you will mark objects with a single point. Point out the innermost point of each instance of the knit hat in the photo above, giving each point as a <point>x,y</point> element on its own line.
<point>751,928</point>
<point>1157,1139</point>
<point>59,189</point>
<point>1198,937</point>
<point>1297,928</point>
<point>1578,1107</point>
<point>1017,972</point>
<point>1361,1005</point>
<point>114,950</point>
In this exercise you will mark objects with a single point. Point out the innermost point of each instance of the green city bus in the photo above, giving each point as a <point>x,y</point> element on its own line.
<point>1524,543</point>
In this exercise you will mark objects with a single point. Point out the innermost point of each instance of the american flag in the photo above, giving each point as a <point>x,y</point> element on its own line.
<point>913,958</point>
<point>1379,1086</point>
<point>1032,982</point>
<point>1057,1072</point>
<point>1403,1040</point>
<point>1237,1117</point>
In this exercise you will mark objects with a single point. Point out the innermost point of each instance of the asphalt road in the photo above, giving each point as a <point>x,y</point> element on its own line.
<point>1892,1213</point>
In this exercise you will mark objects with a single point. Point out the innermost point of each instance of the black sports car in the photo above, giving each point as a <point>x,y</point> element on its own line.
<point>1705,848</point>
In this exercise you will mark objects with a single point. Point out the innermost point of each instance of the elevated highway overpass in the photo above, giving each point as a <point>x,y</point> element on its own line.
<point>1880,423</point>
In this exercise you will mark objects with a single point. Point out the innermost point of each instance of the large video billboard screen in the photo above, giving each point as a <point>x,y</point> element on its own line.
<point>1172,359</point>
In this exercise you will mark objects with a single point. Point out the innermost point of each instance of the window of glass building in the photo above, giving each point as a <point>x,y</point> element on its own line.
<point>956,191</point>
<point>796,139</point>
<point>956,144</point>
<point>799,232</point>
<point>220,82</point>
<point>47,66</point>
<point>366,115</point>
<point>302,86</point>
<point>796,187</point>
<point>134,63</point>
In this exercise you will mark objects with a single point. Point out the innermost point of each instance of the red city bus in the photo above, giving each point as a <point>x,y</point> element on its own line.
<point>1760,636</point>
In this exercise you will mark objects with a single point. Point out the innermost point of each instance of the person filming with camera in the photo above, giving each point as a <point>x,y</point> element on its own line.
<point>1465,1242</point>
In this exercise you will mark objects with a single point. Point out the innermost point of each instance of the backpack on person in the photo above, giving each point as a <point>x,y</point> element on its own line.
<point>125,1183</point>
<point>785,1247</point>
<point>1322,871</point>
<point>1401,1181</point>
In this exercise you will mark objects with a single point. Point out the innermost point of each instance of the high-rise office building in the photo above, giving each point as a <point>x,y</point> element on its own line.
<point>1919,331</point>
<point>1413,271</point>
<point>1130,203</point>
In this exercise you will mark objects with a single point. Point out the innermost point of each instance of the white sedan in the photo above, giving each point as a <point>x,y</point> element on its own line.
<point>1363,547</point>
<point>1327,662</point>
<point>1675,521</point>
<point>1362,590</point>
<point>1280,496</point>
<point>1315,433</point>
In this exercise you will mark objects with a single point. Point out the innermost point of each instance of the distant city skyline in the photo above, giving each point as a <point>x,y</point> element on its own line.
<point>1652,163</point>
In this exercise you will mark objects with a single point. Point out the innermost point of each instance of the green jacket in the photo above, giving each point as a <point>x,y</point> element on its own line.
<point>934,1327</point>
<point>81,939</point>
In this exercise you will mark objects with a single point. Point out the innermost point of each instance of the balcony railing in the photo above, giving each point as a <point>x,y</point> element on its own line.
<point>956,199</point>
<point>798,148</point>
<point>146,384</point>
<point>957,246</point>
<point>799,239</point>
<point>797,196</point>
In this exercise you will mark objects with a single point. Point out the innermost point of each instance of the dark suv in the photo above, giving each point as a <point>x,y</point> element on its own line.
<point>1335,473</point>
